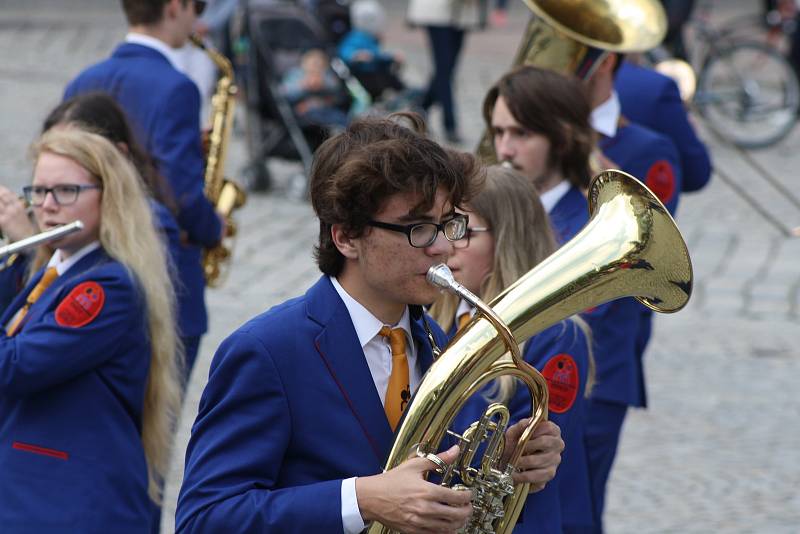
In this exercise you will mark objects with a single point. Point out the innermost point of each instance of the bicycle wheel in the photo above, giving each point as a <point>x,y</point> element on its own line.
<point>749,94</point>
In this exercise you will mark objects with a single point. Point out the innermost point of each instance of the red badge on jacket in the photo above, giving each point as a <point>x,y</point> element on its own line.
<point>661,180</point>
<point>81,306</point>
<point>563,382</point>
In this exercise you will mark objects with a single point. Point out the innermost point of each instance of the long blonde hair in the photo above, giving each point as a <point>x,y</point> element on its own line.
<point>128,235</point>
<point>523,238</point>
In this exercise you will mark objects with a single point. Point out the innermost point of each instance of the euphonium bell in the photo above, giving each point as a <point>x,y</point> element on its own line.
<point>630,247</point>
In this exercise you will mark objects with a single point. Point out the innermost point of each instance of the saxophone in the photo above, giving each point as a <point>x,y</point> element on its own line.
<point>226,195</point>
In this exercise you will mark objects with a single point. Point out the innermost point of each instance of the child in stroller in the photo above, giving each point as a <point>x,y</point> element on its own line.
<point>360,49</point>
<point>314,91</point>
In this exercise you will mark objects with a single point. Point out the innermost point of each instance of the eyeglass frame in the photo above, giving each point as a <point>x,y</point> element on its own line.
<point>468,234</point>
<point>27,191</point>
<point>408,228</point>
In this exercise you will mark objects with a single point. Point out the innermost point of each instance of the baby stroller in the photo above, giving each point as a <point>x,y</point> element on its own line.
<point>277,33</point>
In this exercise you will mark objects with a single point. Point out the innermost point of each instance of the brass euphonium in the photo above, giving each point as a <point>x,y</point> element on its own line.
<point>574,36</point>
<point>630,247</point>
<point>226,195</point>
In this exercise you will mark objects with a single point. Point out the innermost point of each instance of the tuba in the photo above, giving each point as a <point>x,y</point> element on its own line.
<point>226,195</point>
<point>630,247</point>
<point>573,37</point>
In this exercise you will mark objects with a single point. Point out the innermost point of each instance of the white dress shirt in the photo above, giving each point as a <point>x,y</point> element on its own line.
<point>551,197</point>
<point>63,265</point>
<point>378,354</point>
<point>605,117</point>
<point>156,44</point>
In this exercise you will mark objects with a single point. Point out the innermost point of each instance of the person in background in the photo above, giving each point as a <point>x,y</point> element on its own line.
<point>446,23</point>
<point>361,50</point>
<point>163,107</point>
<point>315,92</point>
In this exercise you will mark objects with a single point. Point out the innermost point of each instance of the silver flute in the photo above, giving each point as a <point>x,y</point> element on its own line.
<point>39,239</point>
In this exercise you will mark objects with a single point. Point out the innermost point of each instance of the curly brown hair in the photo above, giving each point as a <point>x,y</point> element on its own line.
<point>553,105</point>
<point>355,173</point>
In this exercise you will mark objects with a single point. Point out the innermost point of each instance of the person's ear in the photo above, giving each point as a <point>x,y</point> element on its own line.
<point>343,242</point>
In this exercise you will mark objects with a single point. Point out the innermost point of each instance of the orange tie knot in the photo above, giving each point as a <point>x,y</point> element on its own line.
<point>397,339</point>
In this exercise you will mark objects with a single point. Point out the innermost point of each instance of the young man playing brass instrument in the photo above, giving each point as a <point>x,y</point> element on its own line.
<point>298,416</point>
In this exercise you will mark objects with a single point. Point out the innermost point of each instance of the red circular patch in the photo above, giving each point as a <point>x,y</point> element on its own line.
<point>81,306</point>
<point>561,373</point>
<point>661,180</point>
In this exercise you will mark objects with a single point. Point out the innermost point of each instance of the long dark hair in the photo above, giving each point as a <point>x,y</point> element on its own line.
<point>555,106</point>
<point>99,113</point>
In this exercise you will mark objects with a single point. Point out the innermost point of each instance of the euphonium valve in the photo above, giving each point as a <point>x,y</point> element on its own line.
<point>630,247</point>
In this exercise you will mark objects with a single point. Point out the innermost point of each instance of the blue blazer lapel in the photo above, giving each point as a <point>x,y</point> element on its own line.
<point>339,348</point>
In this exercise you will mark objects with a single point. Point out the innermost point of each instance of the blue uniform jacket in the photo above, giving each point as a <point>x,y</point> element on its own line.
<point>651,99</point>
<point>566,499</point>
<point>569,215</point>
<point>163,107</point>
<point>71,402</point>
<point>289,411</point>
<point>645,154</point>
<point>12,278</point>
<point>650,157</point>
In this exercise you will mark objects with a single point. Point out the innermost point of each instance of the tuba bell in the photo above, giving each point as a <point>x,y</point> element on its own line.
<point>630,247</point>
<point>573,37</point>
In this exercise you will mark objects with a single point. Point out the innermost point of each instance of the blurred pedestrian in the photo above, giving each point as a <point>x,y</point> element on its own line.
<point>446,23</point>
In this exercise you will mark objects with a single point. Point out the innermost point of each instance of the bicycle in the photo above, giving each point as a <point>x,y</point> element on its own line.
<point>747,91</point>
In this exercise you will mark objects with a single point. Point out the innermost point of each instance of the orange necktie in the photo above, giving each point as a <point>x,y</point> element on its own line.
<point>398,392</point>
<point>463,319</point>
<point>47,278</point>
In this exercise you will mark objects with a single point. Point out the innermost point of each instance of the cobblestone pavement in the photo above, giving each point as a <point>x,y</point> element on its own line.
<point>717,450</point>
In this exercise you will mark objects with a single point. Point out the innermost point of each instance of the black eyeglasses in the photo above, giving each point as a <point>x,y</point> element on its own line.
<point>421,235</point>
<point>63,194</point>
<point>464,241</point>
<point>199,7</point>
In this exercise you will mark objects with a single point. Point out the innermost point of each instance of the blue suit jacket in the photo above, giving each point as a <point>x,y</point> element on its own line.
<point>650,157</point>
<point>163,107</point>
<point>71,402</point>
<point>289,411</point>
<point>566,499</point>
<point>569,215</point>
<point>638,151</point>
<point>12,278</point>
<point>651,99</point>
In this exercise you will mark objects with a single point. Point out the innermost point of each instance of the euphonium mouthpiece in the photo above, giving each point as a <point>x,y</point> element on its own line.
<point>441,276</point>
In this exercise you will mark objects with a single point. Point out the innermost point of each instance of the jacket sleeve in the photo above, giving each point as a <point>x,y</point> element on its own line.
<point>47,353</point>
<point>674,123</point>
<point>176,147</point>
<point>236,453</point>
